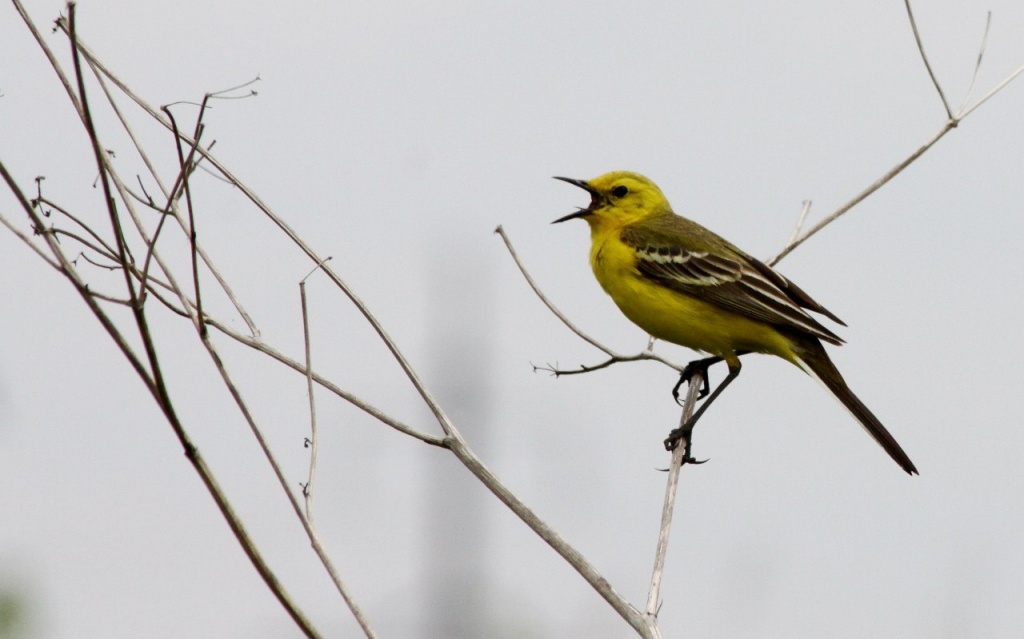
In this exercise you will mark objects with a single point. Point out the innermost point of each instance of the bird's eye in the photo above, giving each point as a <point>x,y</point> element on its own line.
<point>620,191</point>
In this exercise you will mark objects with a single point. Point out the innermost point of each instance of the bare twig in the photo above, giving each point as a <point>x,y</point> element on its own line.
<point>88,244</point>
<point>179,186</point>
<point>221,280</point>
<point>615,357</point>
<point>307,491</point>
<point>654,593</point>
<point>192,313</point>
<point>297,366</point>
<point>74,218</point>
<point>860,197</point>
<point>108,196</point>
<point>152,378</point>
<point>410,373</point>
<point>28,241</point>
<point>644,623</point>
<point>951,123</point>
<point>924,58</point>
<point>631,615</point>
<point>187,167</point>
<point>262,347</point>
<point>804,210</point>
<point>977,65</point>
<point>996,89</point>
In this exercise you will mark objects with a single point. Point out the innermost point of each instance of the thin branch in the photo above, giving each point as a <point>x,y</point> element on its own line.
<point>804,210</point>
<point>154,383</point>
<point>67,269</point>
<point>106,267</point>
<point>221,281</point>
<point>860,197</point>
<point>654,593</point>
<point>191,310</point>
<point>307,524</point>
<point>85,227</point>
<point>435,408</point>
<point>110,298</point>
<point>88,244</point>
<point>176,189</point>
<point>220,95</point>
<point>187,167</point>
<point>307,491</point>
<point>996,89</point>
<point>615,357</point>
<point>924,57</point>
<point>950,124</point>
<point>108,196</point>
<point>28,241</point>
<point>297,366</point>
<point>261,346</point>
<point>631,615</point>
<point>977,65</point>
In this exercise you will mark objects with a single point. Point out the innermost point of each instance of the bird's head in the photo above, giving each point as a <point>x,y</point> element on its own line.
<point>617,199</point>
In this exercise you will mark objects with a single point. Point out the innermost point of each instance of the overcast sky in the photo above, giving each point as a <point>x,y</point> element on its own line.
<point>394,137</point>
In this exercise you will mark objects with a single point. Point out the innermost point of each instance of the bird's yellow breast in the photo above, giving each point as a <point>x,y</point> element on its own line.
<point>673,316</point>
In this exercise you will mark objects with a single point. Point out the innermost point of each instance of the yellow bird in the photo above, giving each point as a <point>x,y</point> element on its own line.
<point>683,284</point>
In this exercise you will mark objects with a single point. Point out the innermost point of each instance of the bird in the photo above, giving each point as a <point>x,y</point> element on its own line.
<point>683,284</point>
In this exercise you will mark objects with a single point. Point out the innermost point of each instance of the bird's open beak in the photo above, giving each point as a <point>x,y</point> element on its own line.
<point>595,197</point>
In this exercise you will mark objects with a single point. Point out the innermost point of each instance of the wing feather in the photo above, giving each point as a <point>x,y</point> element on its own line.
<point>733,281</point>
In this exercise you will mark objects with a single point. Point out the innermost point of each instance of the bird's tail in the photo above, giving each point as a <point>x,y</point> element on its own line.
<point>813,359</point>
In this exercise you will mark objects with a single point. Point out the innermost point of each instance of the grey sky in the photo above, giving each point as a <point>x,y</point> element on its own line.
<point>395,137</point>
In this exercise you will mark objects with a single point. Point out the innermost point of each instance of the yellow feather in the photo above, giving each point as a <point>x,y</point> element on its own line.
<point>671,316</point>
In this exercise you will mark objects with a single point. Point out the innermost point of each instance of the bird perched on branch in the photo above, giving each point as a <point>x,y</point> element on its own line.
<point>683,284</point>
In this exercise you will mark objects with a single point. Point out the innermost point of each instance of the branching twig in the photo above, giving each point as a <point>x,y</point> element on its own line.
<point>107,249</point>
<point>951,123</point>
<point>187,167</point>
<point>221,280</point>
<point>860,197</point>
<point>152,377</point>
<point>615,357</point>
<point>645,623</point>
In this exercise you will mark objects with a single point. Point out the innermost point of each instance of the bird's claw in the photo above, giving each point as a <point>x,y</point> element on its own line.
<point>672,442</point>
<point>691,369</point>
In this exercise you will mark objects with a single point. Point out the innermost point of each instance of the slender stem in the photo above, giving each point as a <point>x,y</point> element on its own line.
<point>924,57</point>
<point>860,197</point>
<point>153,380</point>
<point>804,211</point>
<point>631,615</point>
<point>311,481</point>
<point>977,65</point>
<point>435,408</point>
<point>996,89</point>
<point>28,241</point>
<point>654,594</point>
<point>221,280</point>
<point>615,357</point>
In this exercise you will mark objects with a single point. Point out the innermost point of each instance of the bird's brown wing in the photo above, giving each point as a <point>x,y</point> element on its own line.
<point>724,276</point>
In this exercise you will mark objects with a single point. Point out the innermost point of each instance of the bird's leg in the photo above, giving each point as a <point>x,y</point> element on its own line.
<point>686,430</point>
<point>691,369</point>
